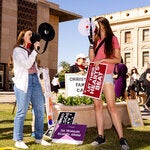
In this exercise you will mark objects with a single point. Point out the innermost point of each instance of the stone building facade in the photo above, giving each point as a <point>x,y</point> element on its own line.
<point>16,15</point>
<point>132,27</point>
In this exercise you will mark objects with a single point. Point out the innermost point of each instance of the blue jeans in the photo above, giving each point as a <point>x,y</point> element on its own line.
<point>35,95</point>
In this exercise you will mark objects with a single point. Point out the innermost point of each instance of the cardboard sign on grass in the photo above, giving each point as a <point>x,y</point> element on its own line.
<point>94,80</point>
<point>69,133</point>
<point>66,117</point>
<point>134,113</point>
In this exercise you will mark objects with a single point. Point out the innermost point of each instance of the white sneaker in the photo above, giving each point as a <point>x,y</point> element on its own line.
<point>42,142</point>
<point>21,144</point>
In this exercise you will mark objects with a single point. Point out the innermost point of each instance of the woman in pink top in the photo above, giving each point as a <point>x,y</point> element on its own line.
<point>108,53</point>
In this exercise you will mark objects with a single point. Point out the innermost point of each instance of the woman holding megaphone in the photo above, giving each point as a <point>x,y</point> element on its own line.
<point>27,88</point>
<point>105,49</point>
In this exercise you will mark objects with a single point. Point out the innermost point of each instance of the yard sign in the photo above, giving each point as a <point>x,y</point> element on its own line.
<point>74,84</point>
<point>134,113</point>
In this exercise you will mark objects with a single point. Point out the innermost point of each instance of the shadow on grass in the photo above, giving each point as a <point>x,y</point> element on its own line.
<point>146,123</point>
<point>136,139</point>
<point>7,132</point>
<point>6,121</point>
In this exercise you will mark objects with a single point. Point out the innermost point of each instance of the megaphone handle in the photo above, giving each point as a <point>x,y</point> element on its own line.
<point>46,44</point>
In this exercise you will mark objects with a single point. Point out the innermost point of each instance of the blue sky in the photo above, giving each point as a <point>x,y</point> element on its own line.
<point>71,42</point>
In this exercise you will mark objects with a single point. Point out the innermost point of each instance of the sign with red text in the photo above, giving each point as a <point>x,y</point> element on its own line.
<point>74,84</point>
<point>94,80</point>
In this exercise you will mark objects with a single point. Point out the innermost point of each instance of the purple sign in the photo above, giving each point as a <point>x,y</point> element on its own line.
<point>69,133</point>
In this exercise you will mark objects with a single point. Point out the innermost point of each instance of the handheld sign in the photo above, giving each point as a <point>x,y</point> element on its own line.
<point>48,102</point>
<point>94,80</point>
<point>47,94</point>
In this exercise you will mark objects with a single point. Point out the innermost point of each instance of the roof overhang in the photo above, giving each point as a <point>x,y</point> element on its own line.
<point>64,15</point>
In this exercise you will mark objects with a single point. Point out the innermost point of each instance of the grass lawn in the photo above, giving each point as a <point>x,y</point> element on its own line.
<point>138,137</point>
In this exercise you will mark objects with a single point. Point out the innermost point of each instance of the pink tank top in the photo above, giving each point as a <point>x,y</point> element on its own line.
<point>101,55</point>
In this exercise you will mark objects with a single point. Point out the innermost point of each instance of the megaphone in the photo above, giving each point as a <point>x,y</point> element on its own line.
<point>86,26</point>
<point>45,32</point>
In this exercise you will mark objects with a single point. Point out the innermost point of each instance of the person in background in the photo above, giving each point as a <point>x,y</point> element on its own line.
<point>120,75</point>
<point>145,84</point>
<point>108,53</point>
<point>27,89</point>
<point>134,85</point>
<point>55,84</point>
<point>80,66</point>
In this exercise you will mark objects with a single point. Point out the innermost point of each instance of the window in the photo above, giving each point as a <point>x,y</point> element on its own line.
<point>145,58</point>
<point>128,37</point>
<point>127,59</point>
<point>146,35</point>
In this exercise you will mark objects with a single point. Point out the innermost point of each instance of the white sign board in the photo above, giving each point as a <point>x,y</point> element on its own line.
<point>47,94</point>
<point>74,84</point>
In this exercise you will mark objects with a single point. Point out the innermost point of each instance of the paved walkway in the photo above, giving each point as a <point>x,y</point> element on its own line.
<point>7,97</point>
<point>145,113</point>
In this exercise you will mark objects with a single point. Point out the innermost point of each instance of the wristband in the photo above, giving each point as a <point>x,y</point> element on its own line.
<point>91,46</point>
<point>36,51</point>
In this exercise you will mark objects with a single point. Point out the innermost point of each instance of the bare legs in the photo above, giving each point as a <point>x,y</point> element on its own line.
<point>109,93</point>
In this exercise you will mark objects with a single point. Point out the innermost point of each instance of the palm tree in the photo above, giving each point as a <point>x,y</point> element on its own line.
<point>65,68</point>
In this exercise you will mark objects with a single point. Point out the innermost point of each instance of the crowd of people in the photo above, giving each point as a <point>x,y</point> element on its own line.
<point>138,86</point>
<point>28,89</point>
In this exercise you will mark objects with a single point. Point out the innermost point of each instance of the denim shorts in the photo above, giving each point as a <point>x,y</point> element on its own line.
<point>108,79</point>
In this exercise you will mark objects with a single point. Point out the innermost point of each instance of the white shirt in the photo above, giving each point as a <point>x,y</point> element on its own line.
<point>22,62</point>
<point>55,81</point>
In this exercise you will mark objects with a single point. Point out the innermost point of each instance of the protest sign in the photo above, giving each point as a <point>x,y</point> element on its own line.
<point>48,103</point>
<point>94,80</point>
<point>66,117</point>
<point>74,84</point>
<point>134,113</point>
<point>47,94</point>
<point>69,133</point>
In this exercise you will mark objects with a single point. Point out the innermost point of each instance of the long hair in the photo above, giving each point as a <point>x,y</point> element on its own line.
<point>136,71</point>
<point>20,41</point>
<point>109,50</point>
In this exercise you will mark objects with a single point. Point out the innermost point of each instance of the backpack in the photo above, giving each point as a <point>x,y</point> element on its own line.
<point>142,77</point>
